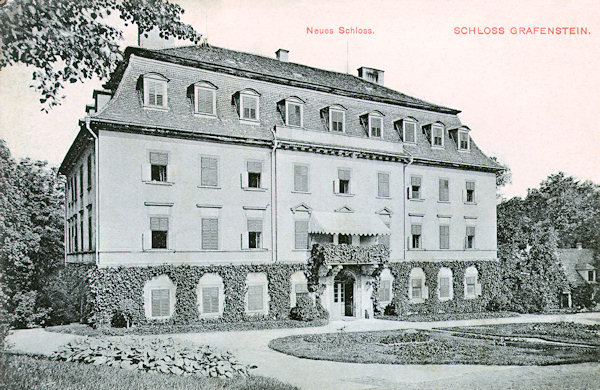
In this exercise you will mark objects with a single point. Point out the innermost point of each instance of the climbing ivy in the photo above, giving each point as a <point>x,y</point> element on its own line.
<point>109,286</point>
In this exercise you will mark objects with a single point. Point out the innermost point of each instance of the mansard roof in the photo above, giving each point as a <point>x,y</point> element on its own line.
<point>258,66</point>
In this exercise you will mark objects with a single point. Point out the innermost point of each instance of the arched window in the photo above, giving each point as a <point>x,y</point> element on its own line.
<point>386,281</point>
<point>257,293</point>
<point>471,282</point>
<point>444,283</point>
<point>159,298</point>
<point>299,287</point>
<point>417,290</point>
<point>210,296</point>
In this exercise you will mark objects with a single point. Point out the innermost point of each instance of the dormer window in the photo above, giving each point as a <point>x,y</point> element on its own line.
<point>335,116</point>
<point>408,126</point>
<point>437,136</point>
<point>155,90</point>
<point>292,110</point>
<point>463,140</point>
<point>374,124</point>
<point>247,104</point>
<point>205,98</point>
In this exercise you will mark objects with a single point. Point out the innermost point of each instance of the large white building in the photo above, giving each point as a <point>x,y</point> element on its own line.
<point>237,166</point>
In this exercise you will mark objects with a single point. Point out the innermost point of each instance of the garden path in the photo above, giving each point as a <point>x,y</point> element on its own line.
<point>251,347</point>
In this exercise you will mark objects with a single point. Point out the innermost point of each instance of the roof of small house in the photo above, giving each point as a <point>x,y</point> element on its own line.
<point>574,260</point>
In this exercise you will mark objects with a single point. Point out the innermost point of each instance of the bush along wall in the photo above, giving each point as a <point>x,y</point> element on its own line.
<point>110,286</point>
<point>488,277</point>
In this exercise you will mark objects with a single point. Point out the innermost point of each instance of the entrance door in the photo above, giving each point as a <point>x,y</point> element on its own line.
<point>343,295</point>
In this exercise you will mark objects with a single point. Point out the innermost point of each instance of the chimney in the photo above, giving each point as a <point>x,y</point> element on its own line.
<point>282,55</point>
<point>154,41</point>
<point>579,246</point>
<point>371,74</point>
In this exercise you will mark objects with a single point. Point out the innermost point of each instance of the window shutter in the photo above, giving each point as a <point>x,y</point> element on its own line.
<point>210,300</point>
<point>383,182</point>
<point>145,172</point>
<point>344,174</point>
<point>160,303</point>
<point>204,105</point>
<point>415,181</point>
<point>255,225</point>
<point>471,185</point>
<point>255,298</point>
<point>425,292</point>
<point>157,158</point>
<point>300,178</point>
<point>147,240</point>
<point>470,230</point>
<point>159,224</point>
<point>244,240</point>
<point>209,171</point>
<point>210,233</point>
<point>254,166</point>
<point>336,187</point>
<point>301,234</point>
<point>415,229</point>
<point>444,190</point>
<point>477,288</point>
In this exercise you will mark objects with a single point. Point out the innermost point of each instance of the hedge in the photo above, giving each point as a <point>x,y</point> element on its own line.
<point>488,272</point>
<point>110,286</point>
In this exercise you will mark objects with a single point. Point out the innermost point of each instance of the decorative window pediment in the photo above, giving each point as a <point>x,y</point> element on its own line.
<point>384,211</point>
<point>301,207</point>
<point>344,209</point>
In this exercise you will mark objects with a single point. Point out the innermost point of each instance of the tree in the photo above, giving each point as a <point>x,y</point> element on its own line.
<point>70,41</point>
<point>31,236</point>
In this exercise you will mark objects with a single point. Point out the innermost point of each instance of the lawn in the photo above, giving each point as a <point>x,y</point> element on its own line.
<point>21,372</point>
<point>86,330</point>
<point>430,317</point>
<point>432,347</point>
<point>567,332</point>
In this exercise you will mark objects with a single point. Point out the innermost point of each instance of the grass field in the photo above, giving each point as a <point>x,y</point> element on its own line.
<point>19,372</point>
<point>439,347</point>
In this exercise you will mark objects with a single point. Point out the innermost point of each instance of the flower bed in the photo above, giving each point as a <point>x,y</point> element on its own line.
<point>165,356</point>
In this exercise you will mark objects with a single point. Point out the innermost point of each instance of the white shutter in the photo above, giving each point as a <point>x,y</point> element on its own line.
<point>147,240</point>
<point>425,291</point>
<point>244,179</point>
<point>477,288</point>
<point>336,187</point>
<point>244,240</point>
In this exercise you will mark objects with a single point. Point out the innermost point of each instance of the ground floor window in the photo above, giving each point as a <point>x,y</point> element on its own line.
<point>445,284</point>
<point>472,286</point>
<point>159,297</point>
<point>417,288</point>
<point>210,295</point>
<point>256,293</point>
<point>160,302</point>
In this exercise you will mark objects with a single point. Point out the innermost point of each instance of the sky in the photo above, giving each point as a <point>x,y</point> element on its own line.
<point>530,100</point>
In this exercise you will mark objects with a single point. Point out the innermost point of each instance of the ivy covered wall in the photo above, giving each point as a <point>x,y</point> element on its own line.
<point>488,278</point>
<point>111,286</point>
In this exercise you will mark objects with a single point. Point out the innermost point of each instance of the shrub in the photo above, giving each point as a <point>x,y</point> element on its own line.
<point>305,309</point>
<point>586,296</point>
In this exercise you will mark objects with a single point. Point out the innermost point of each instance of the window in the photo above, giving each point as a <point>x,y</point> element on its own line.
<point>417,288</point>
<point>81,181</point>
<point>210,300</point>
<point>472,287</point>
<point>385,291</point>
<point>437,136</point>
<point>336,120</point>
<point>445,284</point>
<point>209,171</point>
<point>210,295</point>
<point>463,140</point>
<point>155,91</point>
<point>74,187</point>
<point>159,227</point>
<point>301,234</point>
<point>383,184</point>
<point>409,132</point>
<point>81,222</point>
<point>255,298</point>
<point>344,181</point>
<point>444,190</point>
<point>415,187</point>
<point>591,276</point>
<point>470,239</point>
<point>160,299</point>
<point>415,231</point>
<point>300,290</point>
<point>444,237</point>
<point>210,233</point>
<point>257,293</point>
<point>205,99</point>
<point>254,171</point>
<point>470,192</point>
<point>254,233</point>
<point>293,114</point>
<point>158,166</point>
<point>375,126</point>
<point>298,287</point>
<point>89,171</point>
<point>345,239</point>
<point>90,230</point>
<point>301,178</point>
<point>444,287</point>
<point>249,107</point>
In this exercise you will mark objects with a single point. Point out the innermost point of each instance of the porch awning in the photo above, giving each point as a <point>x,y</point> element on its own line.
<point>347,223</point>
